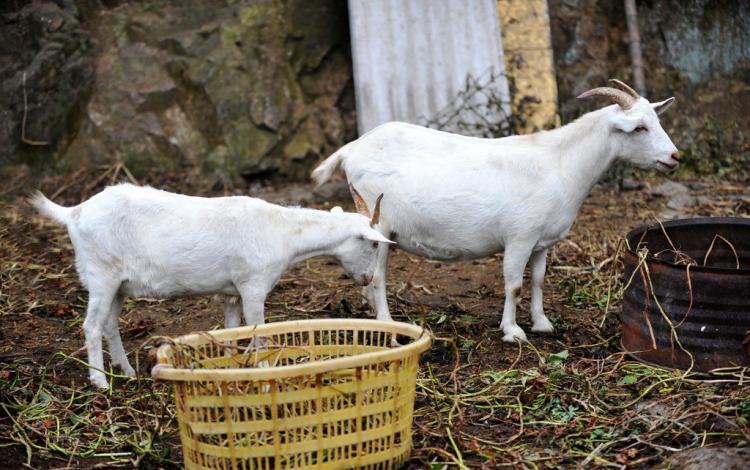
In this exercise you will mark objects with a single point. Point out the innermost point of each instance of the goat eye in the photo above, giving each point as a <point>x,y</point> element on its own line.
<point>641,129</point>
<point>374,244</point>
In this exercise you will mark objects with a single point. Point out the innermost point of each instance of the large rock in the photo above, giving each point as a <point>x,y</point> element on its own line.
<point>46,55</point>
<point>238,88</point>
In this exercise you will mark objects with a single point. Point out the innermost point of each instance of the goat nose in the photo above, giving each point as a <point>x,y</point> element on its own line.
<point>676,156</point>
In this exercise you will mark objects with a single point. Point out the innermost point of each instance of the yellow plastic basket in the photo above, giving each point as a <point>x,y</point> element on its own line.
<point>312,394</point>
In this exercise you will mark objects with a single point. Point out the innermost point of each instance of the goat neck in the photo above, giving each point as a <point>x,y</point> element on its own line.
<point>585,150</point>
<point>309,233</point>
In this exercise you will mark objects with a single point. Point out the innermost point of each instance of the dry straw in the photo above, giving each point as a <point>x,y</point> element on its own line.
<point>313,394</point>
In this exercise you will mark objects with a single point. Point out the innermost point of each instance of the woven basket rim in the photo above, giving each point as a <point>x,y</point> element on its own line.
<point>164,370</point>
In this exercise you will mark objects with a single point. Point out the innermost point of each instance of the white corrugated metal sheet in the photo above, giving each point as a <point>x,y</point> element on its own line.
<point>412,57</point>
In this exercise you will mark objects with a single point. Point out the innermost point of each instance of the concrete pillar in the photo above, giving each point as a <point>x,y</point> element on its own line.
<point>528,63</point>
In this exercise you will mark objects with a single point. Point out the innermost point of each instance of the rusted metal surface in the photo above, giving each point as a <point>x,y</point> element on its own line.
<point>708,305</point>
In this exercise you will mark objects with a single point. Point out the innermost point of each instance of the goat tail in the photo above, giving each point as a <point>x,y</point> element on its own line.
<point>49,209</point>
<point>325,170</point>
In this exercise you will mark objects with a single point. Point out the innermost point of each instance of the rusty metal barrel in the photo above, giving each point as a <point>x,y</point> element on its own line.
<point>688,279</point>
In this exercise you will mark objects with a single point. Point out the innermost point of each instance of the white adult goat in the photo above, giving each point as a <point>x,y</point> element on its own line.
<point>140,241</point>
<point>452,197</point>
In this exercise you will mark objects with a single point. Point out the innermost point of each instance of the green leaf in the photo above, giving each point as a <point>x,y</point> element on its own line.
<point>558,358</point>
<point>628,380</point>
<point>494,375</point>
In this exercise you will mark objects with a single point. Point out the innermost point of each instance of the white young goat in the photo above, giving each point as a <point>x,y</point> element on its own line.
<point>140,241</point>
<point>452,197</point>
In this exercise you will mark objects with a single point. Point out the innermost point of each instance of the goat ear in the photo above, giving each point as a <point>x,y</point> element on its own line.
<point>375,236</point>
<point>663,105</point>
<point>359,202</point>
<point>376,213</point>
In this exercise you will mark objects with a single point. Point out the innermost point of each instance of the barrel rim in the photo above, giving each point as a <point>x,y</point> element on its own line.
<point>636,233</point>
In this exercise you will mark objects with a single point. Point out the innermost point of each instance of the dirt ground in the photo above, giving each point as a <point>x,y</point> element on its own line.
<point>562,400</point>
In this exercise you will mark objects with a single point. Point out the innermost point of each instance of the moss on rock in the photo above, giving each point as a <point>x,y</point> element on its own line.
<point>212,85</point>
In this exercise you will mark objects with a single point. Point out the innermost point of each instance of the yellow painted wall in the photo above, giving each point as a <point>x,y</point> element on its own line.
<point>528,63</point>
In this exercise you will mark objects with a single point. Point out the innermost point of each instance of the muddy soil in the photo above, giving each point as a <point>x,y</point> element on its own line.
<point>42,306</point>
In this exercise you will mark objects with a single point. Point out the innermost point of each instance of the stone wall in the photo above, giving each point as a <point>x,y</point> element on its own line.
<point>252,88</point>
<point>686,43</point>
<point>46,75</point>
<point>695,50</point>
<point>225,87</point>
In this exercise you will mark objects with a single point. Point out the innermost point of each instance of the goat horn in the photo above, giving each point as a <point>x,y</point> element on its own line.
<point>625,88</point>
<point>616,96</point>
<point>359,202</point>
<point>376,212</point>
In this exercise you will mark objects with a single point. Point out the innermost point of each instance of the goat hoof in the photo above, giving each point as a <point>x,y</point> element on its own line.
<point>543,326</point>
<point>100,382</point>
<point>513,334</point>
<point>128,370</point>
